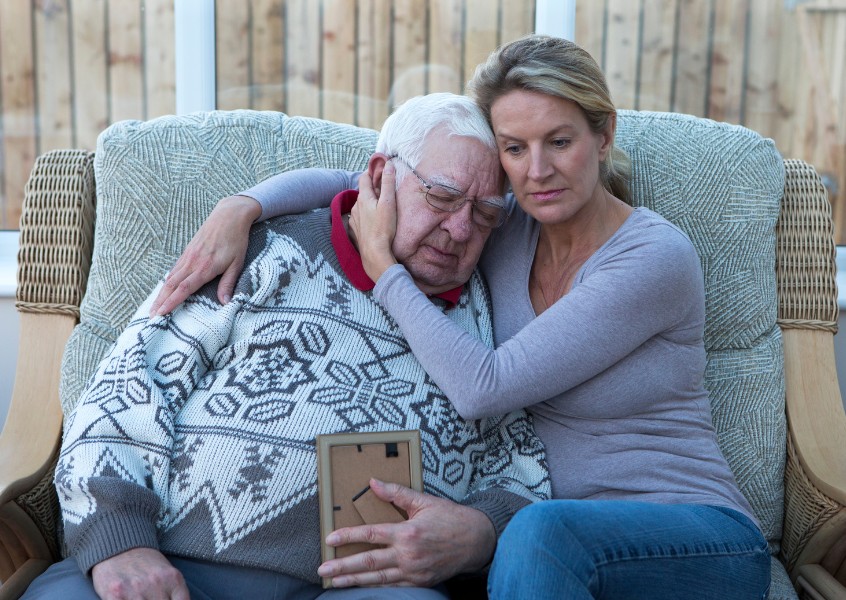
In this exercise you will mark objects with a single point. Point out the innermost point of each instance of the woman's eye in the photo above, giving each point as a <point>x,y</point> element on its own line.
<point>512,149</point>
<point>560,143</point>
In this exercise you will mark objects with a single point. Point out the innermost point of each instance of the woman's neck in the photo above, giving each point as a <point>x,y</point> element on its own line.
<point>564,247</point>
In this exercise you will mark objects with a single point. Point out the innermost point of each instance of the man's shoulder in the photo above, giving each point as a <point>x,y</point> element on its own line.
<point>306,229</point>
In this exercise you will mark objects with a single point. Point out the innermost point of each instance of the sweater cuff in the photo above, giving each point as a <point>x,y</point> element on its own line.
<point>498,505</point>
<point>118,525</point>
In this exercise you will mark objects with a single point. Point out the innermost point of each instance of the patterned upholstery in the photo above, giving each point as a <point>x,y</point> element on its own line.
<point>157,180</point>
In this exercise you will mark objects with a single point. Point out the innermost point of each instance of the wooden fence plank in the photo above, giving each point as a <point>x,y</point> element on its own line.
<point>657,45</point>
<point>91,105</point>
<point>52,67</point>
<point>374,66</point>
<point>481,34</point>
<point>409,51</point>
<point>232,54</point>
<point>126,76</point>
<point>17,93</point>
<point>728,61</point>
<point>338,87</point>
<point>792,92</point>
<point>302,58</point>
<point>446,69</point>
<point>268,55</point>
<point>590,29</point>
<point>621,54</point>
<point>159,58</point>
<point>691,77</point>
<point>762,108</point>
<point>518,19</point>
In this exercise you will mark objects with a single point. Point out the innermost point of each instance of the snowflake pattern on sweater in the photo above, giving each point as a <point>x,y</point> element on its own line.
<point>196,434</point>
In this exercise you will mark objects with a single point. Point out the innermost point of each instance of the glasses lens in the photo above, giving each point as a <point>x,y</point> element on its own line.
<point>488,214</point>
<point>445,198</point>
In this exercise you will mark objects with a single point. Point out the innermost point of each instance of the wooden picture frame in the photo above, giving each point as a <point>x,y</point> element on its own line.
<point>345,464</point>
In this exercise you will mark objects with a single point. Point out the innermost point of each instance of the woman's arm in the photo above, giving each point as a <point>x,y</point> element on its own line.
<point>219,246</point>
<point>634,296</point>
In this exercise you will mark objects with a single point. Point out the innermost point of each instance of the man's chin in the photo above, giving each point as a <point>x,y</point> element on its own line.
<point>432,287</point>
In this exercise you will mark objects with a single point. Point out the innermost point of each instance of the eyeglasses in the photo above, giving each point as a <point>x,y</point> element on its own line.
<point>489,212</point>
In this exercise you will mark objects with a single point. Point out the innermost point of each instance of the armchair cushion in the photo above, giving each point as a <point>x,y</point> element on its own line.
<point>722,185</point>
<point>157,181</point>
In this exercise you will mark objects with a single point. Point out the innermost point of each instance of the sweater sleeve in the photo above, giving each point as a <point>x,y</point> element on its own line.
<point>511,473</point>
<point>647,287</point>
<point>112,473</point>
<point>300,190</point>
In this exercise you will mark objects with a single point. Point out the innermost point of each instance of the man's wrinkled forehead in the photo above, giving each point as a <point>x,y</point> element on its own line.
<point>446,163</point>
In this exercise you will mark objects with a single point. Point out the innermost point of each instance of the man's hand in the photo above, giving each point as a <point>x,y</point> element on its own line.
<point>218,247</point>
<point>440,539</point>
<point>139,574</point>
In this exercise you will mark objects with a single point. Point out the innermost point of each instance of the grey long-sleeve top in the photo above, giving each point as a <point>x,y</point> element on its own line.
<point>612,373</point>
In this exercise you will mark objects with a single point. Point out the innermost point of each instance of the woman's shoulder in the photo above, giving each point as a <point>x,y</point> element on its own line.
<point>647,241</point>
<point>648,226</point>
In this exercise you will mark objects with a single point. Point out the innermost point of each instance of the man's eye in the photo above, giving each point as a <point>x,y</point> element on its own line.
<point>444,199</point>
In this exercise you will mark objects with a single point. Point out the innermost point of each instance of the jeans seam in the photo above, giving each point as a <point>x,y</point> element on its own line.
<point>603,562</point>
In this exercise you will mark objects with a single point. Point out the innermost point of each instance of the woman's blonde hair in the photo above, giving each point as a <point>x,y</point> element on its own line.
<point>559,68</point>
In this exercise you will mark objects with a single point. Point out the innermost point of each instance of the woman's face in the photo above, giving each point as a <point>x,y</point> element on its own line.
<point>549,153</point>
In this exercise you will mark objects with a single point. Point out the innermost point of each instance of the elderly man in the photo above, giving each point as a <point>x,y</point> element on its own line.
<point>189,463</point>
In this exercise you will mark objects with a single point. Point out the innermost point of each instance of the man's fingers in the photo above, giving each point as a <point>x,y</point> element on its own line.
<point>382,577</point>
<point>400,496</point>
<point>372,567</point>
<point>181,593</point>
<point>365,534</point>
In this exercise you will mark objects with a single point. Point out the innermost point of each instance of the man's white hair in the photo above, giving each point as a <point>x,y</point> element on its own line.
<point>404,132</point>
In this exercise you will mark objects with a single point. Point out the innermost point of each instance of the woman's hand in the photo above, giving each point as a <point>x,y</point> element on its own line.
<point>218,247</point>
<point>373,222</point>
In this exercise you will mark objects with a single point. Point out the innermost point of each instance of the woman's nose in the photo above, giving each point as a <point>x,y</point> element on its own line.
<point>539,166</point>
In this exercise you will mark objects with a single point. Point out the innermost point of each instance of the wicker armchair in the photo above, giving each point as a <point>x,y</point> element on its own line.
<point>56,244</point>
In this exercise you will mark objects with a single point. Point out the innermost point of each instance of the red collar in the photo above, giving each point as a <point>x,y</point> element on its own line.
<point>349,257</point>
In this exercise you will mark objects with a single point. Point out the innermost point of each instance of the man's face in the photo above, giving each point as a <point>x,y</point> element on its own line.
<point>441,249</point>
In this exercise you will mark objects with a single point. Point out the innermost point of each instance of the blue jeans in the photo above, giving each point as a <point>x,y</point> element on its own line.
<point>621,549</point>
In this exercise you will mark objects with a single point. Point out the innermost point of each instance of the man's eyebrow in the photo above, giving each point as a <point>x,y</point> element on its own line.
<point>444,181</point>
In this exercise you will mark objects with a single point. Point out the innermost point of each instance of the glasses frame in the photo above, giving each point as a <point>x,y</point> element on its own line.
<point>460,202</point>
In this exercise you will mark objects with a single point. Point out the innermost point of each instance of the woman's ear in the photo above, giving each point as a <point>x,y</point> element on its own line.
<point>607,137</point>
<point>375,166</point>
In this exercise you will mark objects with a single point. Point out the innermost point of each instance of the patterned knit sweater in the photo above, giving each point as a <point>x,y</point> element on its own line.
<point>196,435</point>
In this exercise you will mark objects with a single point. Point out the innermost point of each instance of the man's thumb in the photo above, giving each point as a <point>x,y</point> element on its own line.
<point>400,496</point>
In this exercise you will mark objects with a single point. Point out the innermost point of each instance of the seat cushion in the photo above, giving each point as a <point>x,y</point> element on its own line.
<point>722,184</point>
<point>780,586</point>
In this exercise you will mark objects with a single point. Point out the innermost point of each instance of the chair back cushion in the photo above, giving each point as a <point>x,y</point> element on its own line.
<point>157,181</point>
<point>722,184</point>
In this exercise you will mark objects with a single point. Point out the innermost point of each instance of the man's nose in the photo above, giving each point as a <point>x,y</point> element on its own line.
<point>460,223</point>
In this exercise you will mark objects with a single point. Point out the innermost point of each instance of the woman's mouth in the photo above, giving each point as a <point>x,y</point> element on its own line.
<point>546,195</point>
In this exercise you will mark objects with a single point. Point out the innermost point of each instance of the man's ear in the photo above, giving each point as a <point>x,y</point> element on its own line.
<point>375,166</point>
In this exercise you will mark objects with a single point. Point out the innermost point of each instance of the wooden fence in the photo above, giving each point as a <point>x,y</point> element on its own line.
<point>69,68</point>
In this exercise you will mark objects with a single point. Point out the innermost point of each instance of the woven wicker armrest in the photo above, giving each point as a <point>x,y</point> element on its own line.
<point>56,237</point>
<point>813,547</point>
